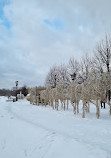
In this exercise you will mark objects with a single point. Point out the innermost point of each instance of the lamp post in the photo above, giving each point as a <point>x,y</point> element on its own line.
<point>54,81</point>
<point>16,82</point>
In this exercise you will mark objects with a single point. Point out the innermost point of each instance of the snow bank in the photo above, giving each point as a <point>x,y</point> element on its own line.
<point>37,132</point>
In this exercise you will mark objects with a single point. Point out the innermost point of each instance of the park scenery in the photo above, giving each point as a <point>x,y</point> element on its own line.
<point>55,79</point>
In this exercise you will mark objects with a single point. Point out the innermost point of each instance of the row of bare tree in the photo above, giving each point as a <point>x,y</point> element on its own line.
<point>78,71</point>
<point>88,80</point>
<point>95,89</point>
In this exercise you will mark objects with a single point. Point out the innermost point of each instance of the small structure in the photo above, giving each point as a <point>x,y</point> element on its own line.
<point>11,98</point>
<point>20,96</point>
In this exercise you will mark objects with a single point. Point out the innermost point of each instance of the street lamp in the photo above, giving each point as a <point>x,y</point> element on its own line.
<point>16,82</point>
<point>54,81</point>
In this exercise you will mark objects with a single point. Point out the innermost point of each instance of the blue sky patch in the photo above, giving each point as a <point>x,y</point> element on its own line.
<point>3,18</point>
<point>1,37</point>
<point>56,24</point>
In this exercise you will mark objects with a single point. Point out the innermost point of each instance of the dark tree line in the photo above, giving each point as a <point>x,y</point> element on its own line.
<point>7,92</point>
<point>23,89</point>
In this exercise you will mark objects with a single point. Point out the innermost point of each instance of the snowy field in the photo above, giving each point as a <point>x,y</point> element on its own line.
<point>29,131</point>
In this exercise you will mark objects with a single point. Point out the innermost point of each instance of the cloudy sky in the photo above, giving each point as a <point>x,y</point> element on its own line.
<point>36,34</point>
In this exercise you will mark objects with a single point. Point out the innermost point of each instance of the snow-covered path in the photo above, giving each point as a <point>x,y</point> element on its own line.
<point>38,132</point>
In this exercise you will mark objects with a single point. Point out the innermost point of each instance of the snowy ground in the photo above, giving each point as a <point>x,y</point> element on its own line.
<point>29,131</point>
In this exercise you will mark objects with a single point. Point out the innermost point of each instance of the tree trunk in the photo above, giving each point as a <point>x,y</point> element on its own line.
<point>64,105</point>
<point>53,105</point>
<point>97,110</point>
<point>88,107</point>
<point>57,106</point>
<point>74,108</point>
<point>83,114</point>
<point>61,104</point>
<point>77,107</point>
<point>110,110</point>
<point>109,107</point>
<point>67,103</point>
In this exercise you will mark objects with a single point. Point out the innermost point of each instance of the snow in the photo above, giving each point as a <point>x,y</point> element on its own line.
<point>30,131</point>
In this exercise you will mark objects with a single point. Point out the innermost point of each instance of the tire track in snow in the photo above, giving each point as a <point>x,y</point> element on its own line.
<point>48,138</point>
<point>89,144</point>
<point>41,148</point>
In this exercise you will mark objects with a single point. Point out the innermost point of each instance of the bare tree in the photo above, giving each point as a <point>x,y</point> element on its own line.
<point>57,74</point>
<point>86,65</point>
<point>73,68</point>
<point>52,78</point>
<point>97,63</point>
<point>104,56</point>
<point>104,52</point>
<point>63,74</point>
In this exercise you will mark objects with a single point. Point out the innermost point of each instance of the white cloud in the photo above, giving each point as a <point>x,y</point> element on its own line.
<point>30,47</point>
